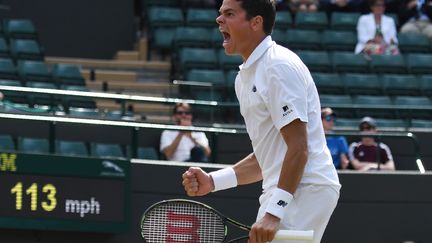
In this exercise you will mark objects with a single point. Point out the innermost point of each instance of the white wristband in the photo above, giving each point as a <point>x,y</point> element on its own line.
<point>224,179</point>
<point>278,202</point>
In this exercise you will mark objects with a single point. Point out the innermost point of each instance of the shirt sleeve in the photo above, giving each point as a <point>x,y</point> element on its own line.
<point>351,151</point>
<point>165,140</point>
<point>201,139</point>
<point>286,94</point>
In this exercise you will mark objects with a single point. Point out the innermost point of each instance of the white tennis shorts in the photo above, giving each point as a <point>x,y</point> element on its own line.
<point>310,209</point>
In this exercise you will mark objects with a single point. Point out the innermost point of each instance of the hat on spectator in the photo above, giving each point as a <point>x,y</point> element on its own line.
<point>368,120</point>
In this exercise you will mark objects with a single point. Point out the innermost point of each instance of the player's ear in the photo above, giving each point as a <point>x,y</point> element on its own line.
<point>257,22</point>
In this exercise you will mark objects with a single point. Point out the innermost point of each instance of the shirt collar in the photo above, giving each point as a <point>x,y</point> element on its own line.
<point>257,52</point>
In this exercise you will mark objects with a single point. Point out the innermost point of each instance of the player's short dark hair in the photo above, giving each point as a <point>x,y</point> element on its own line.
<point>264,8</point>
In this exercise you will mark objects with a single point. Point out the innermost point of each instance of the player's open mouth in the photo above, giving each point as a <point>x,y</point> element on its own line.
<point>226,36</point>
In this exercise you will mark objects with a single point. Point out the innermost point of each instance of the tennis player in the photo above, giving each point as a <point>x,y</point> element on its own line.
<point>280,105</point>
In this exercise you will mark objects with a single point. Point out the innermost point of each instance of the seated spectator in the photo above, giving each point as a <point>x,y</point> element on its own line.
<point>364,155</point>
<point>416,17</point>
<point>303,5</point>
<point>337,145</point>
<point>184,145</point>
<point>376,32</point>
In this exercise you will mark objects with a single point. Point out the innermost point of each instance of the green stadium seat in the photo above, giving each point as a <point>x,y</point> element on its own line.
<point>201,17</point>
<point>228,62</point>
<point>192,37</point>
<point>230,77</point>
<point>426,85</point>
<point>84,112</point>
<point>390,124</point>
<point>388,64</point>
<point>420,123</point>
<point>300,39</point>
<point>119,115</point>
<point>414,106</point>
<point>76,101</point>
<point>311,20</point>
<point>336,40</point>
<point>283,20</point>
<point>147,153</point>
<point>160,16</point>
<point>215,77</point>
<point>36,71</point>
<point>375,106</point>
<point>316,61</point>
<point>68,74</point>
<point>162,38</point>
<point>33,145</point>
<point>344,21</point>
<point>26,50</point>
<point>190,58</point>
<point>419,63</point>
<point>165,3</point>
<point>395,84</point>
<point>413,43</point>
<point>348,62</point>
<point>20,29</point>
<point>362,83</point>
<point>217,38</point>
<point>40,98</point>
<point>12,96</point>
<point>105,150</point>
<point>8,69</point>
<point>347,123</point>
<point>7,82</point>
<point>6,143</point>
<point>279,36</point>
<point>4,48</point>
<point>342,104</point>
<point>328,83</point>
<point>71,148</point>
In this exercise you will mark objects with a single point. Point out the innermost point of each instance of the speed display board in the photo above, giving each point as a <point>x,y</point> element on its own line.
<point>64,193</point>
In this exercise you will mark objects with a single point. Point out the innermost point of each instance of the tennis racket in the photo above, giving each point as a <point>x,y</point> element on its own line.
<point>181,220</point>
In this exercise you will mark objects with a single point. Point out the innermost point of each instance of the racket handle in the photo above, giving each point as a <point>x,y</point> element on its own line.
<point>307,235</point>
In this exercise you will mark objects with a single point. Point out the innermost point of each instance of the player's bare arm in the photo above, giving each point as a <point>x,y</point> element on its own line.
<point>295,136</point>
<point>248,170</point>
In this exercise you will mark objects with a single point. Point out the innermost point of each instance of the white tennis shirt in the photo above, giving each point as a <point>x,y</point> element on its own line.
<point>183,151</point>
<point>274,87</point>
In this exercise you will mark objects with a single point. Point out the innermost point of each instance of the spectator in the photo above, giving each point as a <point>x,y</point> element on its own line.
<point>184,145</point>
<point>303,5</point>
<point>376,32</point>
<point>416,17</point>
<point>337,145</point>
<point>364,155</point>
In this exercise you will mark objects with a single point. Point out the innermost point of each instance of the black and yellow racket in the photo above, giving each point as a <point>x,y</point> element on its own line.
<point>181,220</point>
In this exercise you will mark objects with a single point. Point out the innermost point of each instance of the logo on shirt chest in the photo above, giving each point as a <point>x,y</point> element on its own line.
<point>286,110</point>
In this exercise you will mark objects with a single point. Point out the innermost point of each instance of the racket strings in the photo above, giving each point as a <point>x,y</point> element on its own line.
<point>182,222</point>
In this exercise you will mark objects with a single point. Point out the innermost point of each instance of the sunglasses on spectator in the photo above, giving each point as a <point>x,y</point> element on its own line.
<point>329,118</point>
<point>183,113</point>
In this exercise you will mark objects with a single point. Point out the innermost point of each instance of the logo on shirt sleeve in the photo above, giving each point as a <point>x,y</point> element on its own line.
<point>286,110</point>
